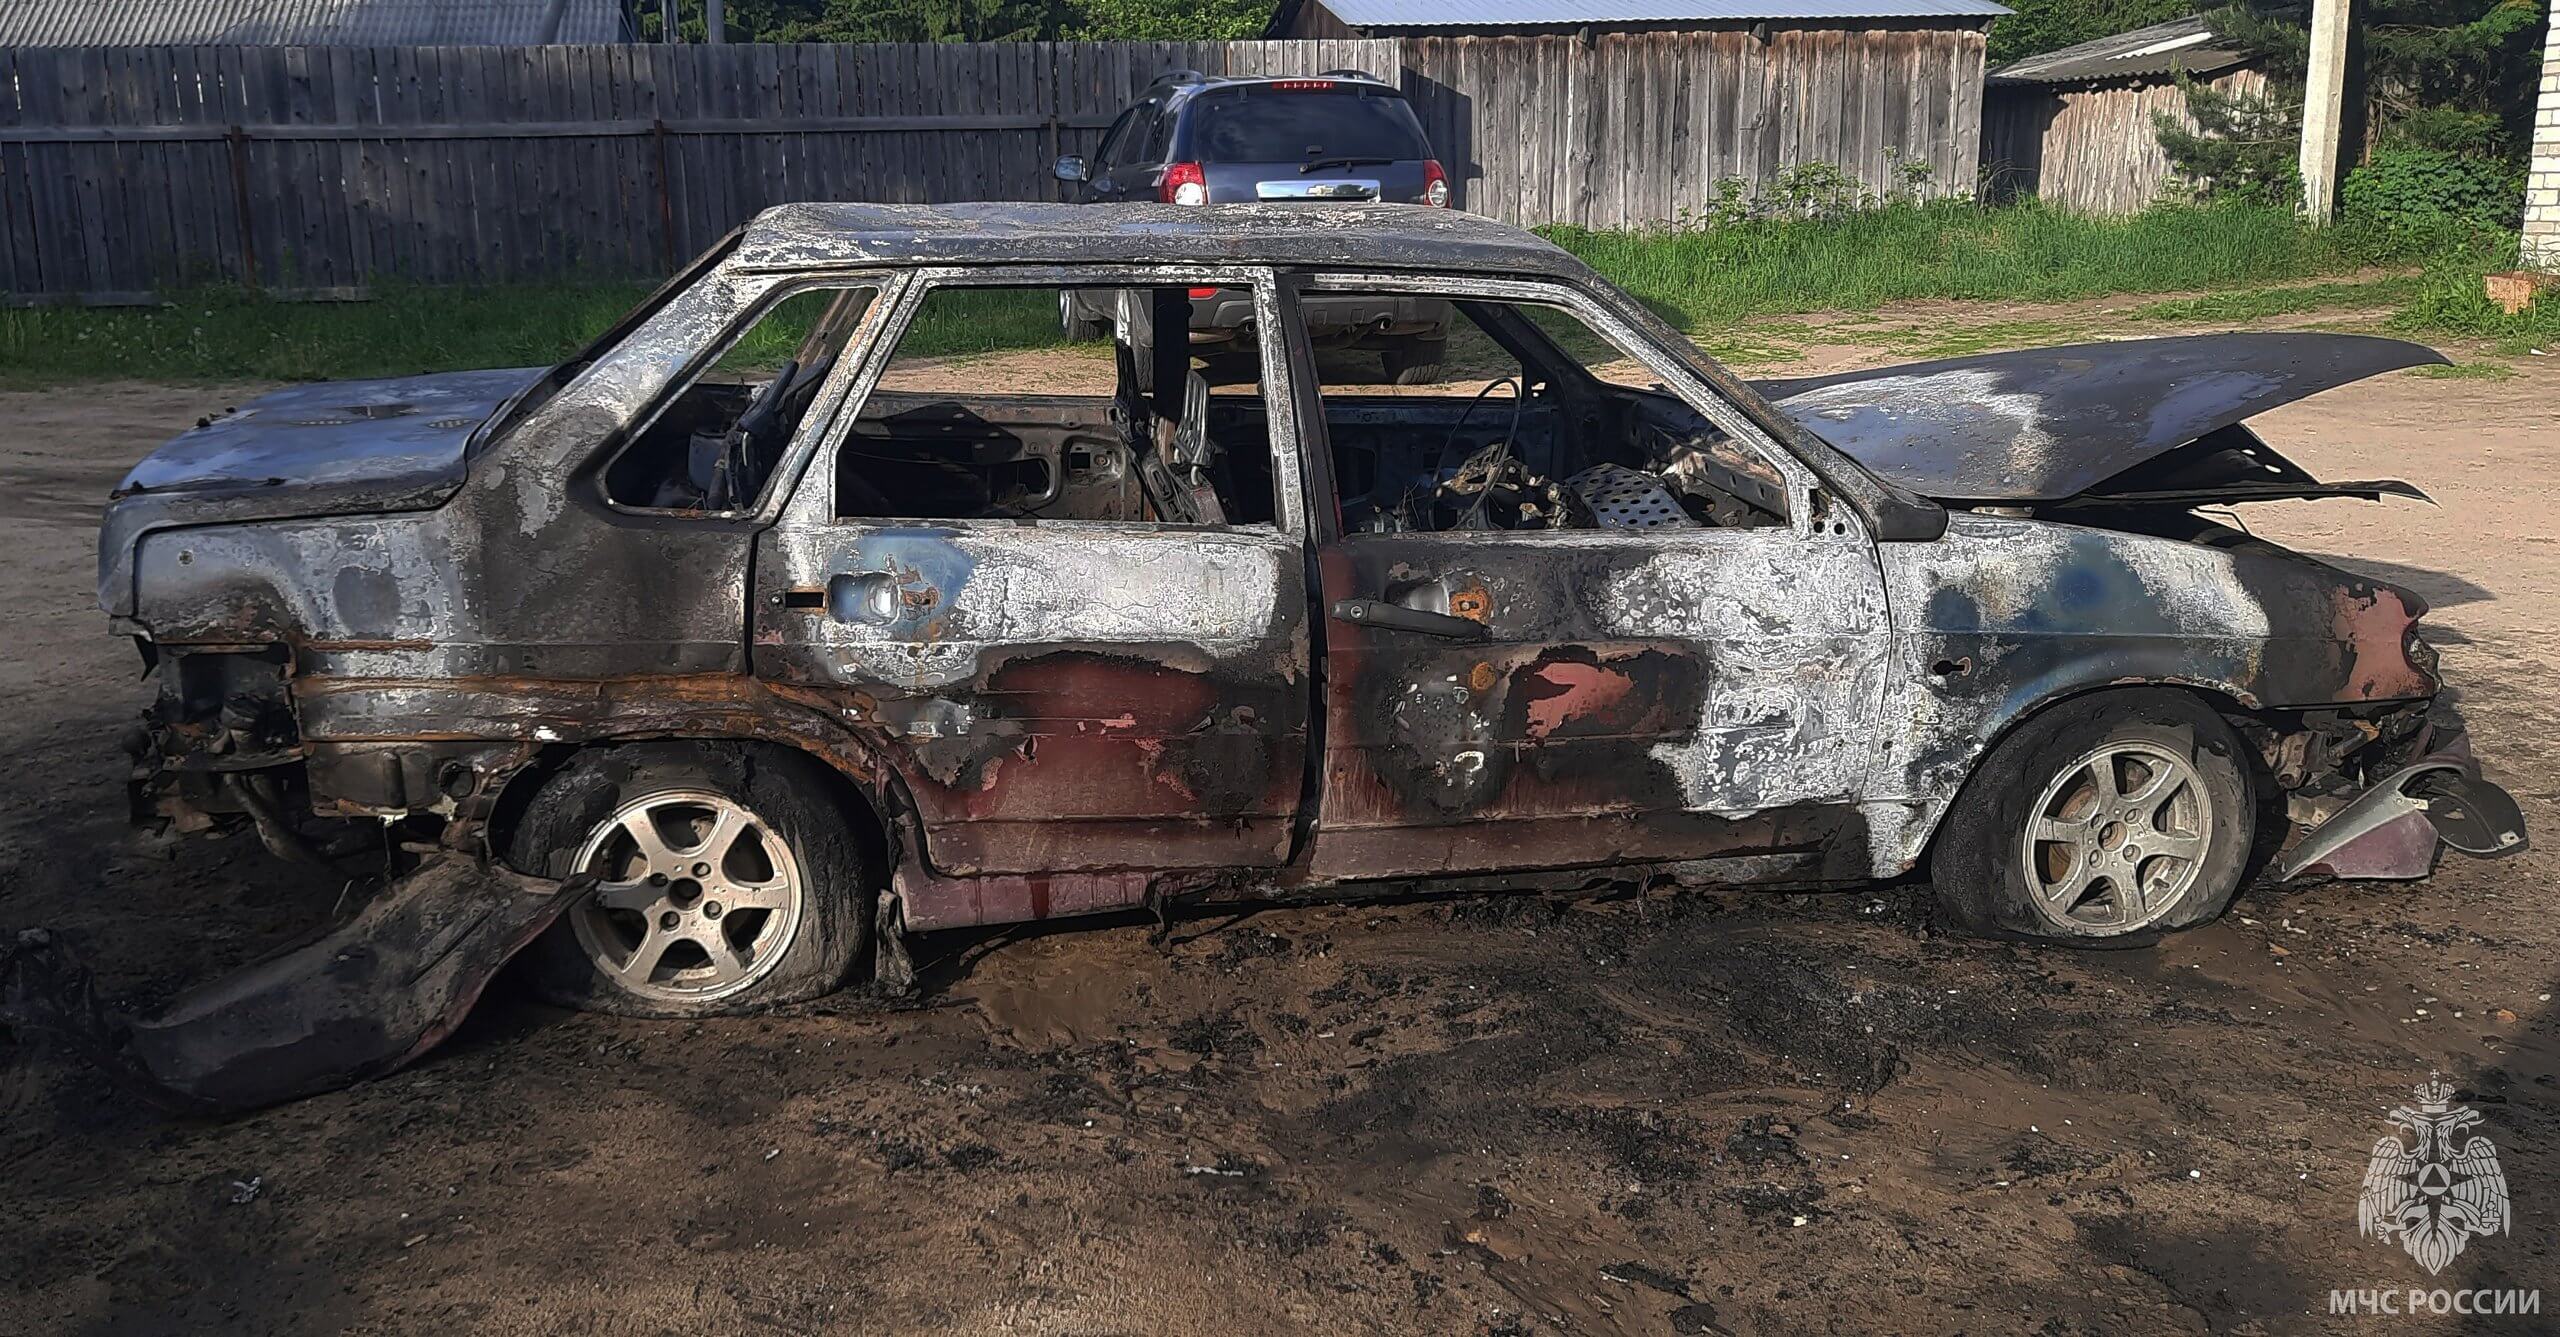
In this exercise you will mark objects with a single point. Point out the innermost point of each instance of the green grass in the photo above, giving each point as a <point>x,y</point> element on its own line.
<point>2451,298</point>
<point>955,322</point>
<point>1757,344</point>
<point>225,334</point>
<point>2466,371</point>
<point>1705,277</point>
<point>230,335</point>
<point>1730,285</point>
<point>1958,340</point>
<point>961,322</point>
<point>2258,303</point>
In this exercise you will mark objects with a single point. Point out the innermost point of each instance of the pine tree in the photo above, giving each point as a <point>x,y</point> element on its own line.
<point>2244,145</point>
<point>2458,76</point>
<point>2450,77</point>
<point>2033,27</point>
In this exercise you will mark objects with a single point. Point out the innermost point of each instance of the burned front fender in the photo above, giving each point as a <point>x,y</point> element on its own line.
<point>364,999</point>
<point>2006,614</point>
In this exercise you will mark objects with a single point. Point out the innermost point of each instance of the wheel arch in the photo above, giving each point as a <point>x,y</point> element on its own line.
<point>873,800</point>
<point>2228,700</point>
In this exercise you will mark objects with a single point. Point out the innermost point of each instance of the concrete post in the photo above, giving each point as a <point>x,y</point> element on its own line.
<point>2542,186</point>
<point>2324,104</point>
<point>714,23</point>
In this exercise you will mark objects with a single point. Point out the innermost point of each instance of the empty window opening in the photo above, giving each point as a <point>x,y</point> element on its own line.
<point>1032,404</point>
<point>1461,414</point>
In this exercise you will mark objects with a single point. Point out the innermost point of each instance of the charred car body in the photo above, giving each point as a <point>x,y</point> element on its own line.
<point>783,659</point>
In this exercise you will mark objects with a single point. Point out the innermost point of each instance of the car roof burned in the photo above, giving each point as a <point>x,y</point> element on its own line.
<point>1370,236</point>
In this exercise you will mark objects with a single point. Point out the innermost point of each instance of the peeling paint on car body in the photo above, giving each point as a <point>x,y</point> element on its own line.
<point>1063,717</point>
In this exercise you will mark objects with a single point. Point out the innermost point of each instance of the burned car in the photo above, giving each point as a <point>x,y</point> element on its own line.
<point>803,610</point>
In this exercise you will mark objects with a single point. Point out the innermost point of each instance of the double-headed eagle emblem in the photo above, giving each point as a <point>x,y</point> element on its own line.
<point>2436,1194</point>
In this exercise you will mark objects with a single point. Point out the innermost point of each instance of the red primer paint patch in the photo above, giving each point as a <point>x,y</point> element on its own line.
<point>1561,692</point>
<point>2375,630</point>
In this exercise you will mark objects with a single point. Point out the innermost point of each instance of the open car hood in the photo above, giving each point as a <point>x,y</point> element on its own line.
<point>2152,421</point>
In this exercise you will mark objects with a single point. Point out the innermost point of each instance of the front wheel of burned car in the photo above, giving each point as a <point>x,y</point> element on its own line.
<point>2104,820</point>
<point>728,880</point>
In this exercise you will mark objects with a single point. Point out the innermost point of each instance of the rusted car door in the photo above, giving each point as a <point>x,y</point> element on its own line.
<point>1054,695</point>
<point>1585,697</point>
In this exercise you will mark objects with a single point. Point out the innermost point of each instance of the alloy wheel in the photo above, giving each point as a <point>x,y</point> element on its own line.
<point>697,897</point>
<point>2118,836</point>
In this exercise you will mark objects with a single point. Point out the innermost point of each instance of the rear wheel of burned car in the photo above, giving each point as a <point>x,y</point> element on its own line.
<point>729,879</point>
<point>2104,819</point>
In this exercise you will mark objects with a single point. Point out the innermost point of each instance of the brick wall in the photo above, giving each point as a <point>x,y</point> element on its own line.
<point>2542,191</point>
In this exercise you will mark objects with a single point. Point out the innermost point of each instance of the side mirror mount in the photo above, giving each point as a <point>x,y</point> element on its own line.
<point>1071,168</point>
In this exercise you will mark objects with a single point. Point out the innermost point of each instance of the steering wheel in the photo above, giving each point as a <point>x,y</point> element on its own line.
<point>1488,477</point>
<point>1493,489</point>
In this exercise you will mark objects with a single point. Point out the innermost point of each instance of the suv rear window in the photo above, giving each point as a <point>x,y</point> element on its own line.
<point>1266,124</point>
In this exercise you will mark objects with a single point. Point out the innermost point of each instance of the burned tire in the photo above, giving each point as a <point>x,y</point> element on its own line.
<point>731,880</point>
<point>1414,361</point>
<point>2105,820</point>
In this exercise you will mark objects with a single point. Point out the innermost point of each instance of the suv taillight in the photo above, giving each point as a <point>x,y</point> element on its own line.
<point>1435,184</point>
<point>1184,183</point>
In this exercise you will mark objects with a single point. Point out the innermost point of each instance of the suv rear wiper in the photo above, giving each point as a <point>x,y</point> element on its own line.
<point>1319,164</point>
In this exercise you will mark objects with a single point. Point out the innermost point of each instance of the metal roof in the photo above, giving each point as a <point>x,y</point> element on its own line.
<point>2180,44</point>
<point>309,22</point>
<point>1389,14</point>
<point>1379,236</point>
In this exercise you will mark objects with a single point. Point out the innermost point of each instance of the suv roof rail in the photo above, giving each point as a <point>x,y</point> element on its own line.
<point>1180,77</point>
<point>1350,74</point>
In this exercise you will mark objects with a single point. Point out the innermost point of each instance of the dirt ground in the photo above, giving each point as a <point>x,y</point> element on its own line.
<point>1685,1114</point>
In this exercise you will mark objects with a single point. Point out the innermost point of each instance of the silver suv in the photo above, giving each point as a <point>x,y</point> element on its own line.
<point>1343,137</point>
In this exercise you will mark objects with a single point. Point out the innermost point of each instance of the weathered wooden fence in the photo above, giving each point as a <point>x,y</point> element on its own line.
<point>321,169</point>
<point>2092,148</point>
<point>1632,128</point>
<point>318,171</point>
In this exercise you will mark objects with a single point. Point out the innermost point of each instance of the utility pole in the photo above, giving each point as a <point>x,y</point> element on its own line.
<point>712,23</point>
<point>2324,105</point>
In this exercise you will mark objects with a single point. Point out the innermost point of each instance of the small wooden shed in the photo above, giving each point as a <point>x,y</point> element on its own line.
<point>2074,127</point>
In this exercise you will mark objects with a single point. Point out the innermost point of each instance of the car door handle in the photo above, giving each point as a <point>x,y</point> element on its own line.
<point>870,598</point>
<point>1396,617</point>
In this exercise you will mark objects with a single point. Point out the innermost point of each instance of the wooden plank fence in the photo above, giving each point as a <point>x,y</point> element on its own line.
<point>2092,148</point>
<point>1626,129</point>
<point>317,171</point>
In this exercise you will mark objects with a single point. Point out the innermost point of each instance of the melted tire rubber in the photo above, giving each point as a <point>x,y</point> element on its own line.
<point>1980,879</point>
